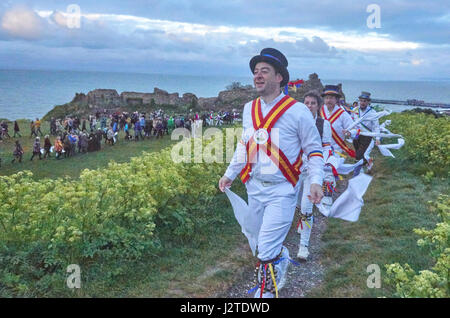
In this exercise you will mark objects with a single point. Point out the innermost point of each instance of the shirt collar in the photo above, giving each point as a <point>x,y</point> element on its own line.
<point>274,102</point>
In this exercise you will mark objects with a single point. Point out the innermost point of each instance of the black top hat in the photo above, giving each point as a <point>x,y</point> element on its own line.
<point>274,58</point>
<point>365,95</point>
<point>331,90</point>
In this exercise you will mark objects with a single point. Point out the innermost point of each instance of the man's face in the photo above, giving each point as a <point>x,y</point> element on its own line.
<point>363,103</point>
<point>311,102</point>
<point>330,100</point>
<point>266,79</point>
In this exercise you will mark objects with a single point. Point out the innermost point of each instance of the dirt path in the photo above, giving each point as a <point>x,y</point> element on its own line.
<point>300,279</point>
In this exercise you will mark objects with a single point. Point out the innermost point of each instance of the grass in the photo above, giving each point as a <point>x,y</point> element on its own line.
<point>122,151</point>
<point>395,204</point>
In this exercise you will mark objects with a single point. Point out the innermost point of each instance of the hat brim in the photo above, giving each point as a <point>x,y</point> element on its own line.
<point>277,65</point>
<point>331,93</point>
<point>364,97</point>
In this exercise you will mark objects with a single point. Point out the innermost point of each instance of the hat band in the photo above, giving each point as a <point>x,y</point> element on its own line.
<point>273,57</point>
<point>364,96</point>
<point>331,92</point>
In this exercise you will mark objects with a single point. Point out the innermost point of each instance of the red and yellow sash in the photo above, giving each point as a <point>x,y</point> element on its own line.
<point>290,171</point>
<point>336,137</point>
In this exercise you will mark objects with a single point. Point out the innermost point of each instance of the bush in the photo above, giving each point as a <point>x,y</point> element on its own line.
<point>427,139</point>
<point>429,282</point>
<point>120,212</point>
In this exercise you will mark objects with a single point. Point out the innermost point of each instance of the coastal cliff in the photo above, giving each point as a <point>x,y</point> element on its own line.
<point>111,101</point>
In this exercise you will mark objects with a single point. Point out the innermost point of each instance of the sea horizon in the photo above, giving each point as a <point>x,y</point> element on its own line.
<point>31,93</point>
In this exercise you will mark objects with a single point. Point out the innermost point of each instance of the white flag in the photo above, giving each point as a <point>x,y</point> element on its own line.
<point>249,221</point>
<point>348,206</point>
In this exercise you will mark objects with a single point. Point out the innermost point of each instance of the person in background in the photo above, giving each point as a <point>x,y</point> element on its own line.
<point>36,149</point>
<point>18,152</point>
<point>304,205</point>
<point>110,136</point>
<point>364,144</point>
<point>37,124</point>
<point>53,126</point>
<point>126,129</point>
<point>137,130</point>
<point>4,128</point>
<point>33,129</point>
<point>84,143</point>
<point>16,129</point>
<point>47,146</point>
<point>58,147</point>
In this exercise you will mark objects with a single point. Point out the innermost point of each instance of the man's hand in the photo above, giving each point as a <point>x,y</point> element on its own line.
<point>224,182</point>
<point>377,142</point>
<point>316,193</point>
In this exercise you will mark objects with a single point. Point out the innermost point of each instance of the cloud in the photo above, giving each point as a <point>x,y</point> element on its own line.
<point>22,22</point>
<point>160,36</point>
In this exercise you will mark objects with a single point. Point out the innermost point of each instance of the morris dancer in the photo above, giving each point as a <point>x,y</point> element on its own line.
<point>364,144</point>
<point>268,158</point>
<point>339,119</point>
<point>304,205</point>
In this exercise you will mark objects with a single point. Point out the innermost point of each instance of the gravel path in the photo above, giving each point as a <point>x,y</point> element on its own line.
<point>300,279</point>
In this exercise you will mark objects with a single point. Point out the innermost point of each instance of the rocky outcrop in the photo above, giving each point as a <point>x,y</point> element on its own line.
<point>107,98</point>
<point>229,99</point>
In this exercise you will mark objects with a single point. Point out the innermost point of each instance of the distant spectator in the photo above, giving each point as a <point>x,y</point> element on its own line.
<point>18,152</point>
<point>58,147</point>
<point>37,124</point>
<point>16,129</point>
<point>47,146</point>
<point>33,129</point>
<point>36,149</point>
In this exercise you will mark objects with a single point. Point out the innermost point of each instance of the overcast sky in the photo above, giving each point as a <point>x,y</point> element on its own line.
<point>218,37</point>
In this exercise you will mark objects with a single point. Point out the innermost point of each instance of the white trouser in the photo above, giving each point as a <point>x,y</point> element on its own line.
<point>277,205</point>
<point>306,208</point>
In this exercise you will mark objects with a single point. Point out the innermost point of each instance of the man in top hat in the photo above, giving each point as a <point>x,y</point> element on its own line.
<point>339,119</point>
<point>364,144</point>
<point>277,130</point>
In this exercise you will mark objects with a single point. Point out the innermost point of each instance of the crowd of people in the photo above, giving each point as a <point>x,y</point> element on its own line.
<point>73,134</point>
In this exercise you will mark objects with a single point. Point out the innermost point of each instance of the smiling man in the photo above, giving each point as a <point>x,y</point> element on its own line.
<point>277,131</point>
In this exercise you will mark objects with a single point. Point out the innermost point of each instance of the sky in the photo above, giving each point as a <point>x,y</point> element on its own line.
<point>379,40</point>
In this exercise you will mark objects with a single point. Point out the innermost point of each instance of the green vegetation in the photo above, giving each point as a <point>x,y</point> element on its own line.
<point>143,226</point>
<point>141,214</point>
<point>396,203</point>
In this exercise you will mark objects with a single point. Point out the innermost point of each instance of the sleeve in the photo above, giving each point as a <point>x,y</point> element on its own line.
<point>347,121</point>
<point>239,159</point>
<point>312,146</point>
<point>326,140</point>
<point>376,127</point>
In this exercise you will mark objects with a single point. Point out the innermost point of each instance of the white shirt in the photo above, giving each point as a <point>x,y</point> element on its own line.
<point>294,130</point>
<point>370,122</point>
<point>343,121</point>
<point>326,140</point>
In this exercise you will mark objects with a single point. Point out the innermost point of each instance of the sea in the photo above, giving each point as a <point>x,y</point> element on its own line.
<point>30,94</point>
